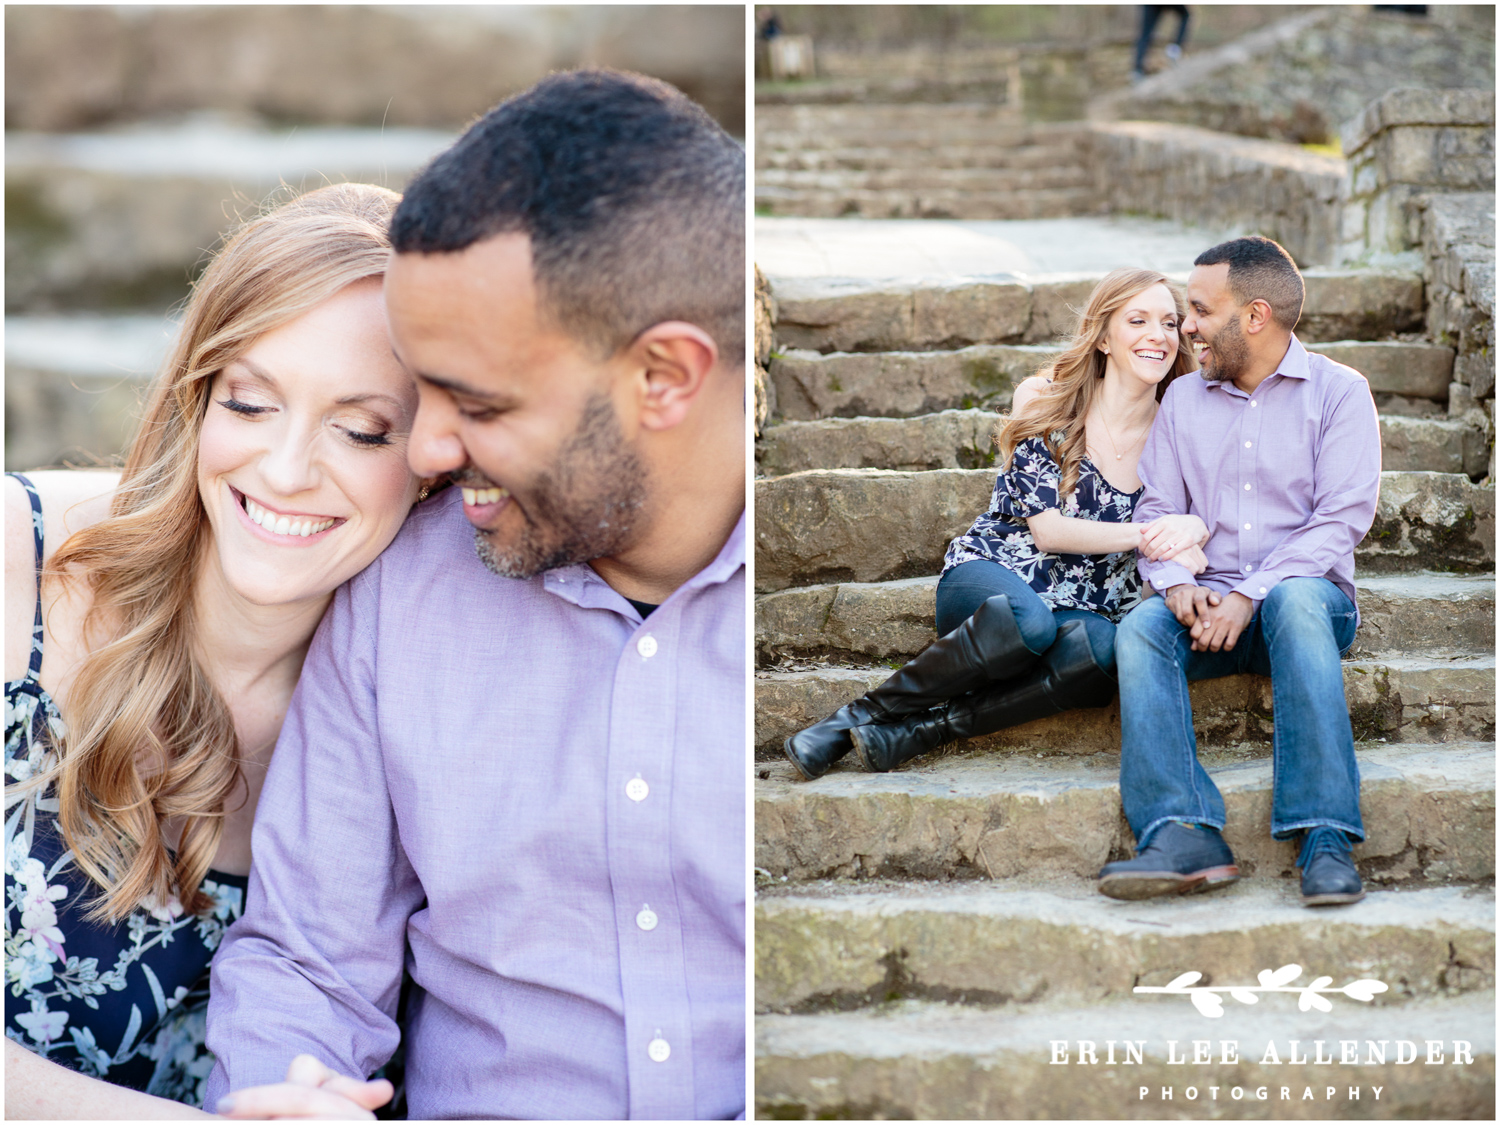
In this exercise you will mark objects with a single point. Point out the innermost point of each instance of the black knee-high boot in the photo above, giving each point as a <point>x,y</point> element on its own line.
<point>985,648</point>
<point>1067,677</point>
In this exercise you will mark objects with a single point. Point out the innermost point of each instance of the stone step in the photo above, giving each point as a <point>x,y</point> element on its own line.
<point>1400,614</point>
<point>871,525</point>
<point>993,179</point>
<point>936,201</point>
<point>832,945</point>
<point>834,126</point>
<point>926,1060</point>
<point>124,217</point>
<point>1429,812</point>
<point>1410,699</point>
<point>867,157</point>
<point>813,385</point>
<point>962,439</point>
<point>831,314</point>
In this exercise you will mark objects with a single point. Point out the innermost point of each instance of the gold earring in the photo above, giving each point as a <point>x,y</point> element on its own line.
<point>423,491</point>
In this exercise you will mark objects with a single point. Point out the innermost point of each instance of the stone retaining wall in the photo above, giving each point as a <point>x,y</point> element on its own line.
<point>1407,144</point>
<point>1197,176</point>
<point>1458,240</point>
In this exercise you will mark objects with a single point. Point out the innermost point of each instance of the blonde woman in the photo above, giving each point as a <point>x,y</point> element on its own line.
<point>1030,595</point>
<point>154,633</point>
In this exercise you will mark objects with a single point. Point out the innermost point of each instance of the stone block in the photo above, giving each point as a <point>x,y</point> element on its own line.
<point>1018,945</point>
<point>901,384</point>
<point>861,525</point>
<point>1360,304</point>
<point>1399,699</point>
<point>951,439</point>
<point>962,313</point>
<point>1431,520</point>
<point>939,1058</point>
<point>1414,106</point>
<point>842,315</point>
<point>1396,367</point>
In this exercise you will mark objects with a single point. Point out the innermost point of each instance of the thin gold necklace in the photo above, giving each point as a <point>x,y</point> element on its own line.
<point>1116,445</point>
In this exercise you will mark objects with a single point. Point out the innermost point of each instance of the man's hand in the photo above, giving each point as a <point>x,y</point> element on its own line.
<point>1165,536</point>
<point>1219,627</point>
<point>1188,602</point>
<point>310,1090</point>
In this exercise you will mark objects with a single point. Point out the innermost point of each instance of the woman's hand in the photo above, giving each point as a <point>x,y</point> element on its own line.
<point>1166,536</point>
<point>310,1090</point>
<point>1191,558</point>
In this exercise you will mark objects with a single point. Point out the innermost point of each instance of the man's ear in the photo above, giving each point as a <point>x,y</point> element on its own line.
<point>675,359</point>
<point>1258,314</point>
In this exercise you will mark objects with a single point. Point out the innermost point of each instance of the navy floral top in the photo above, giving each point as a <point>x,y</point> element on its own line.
<point>1108,585</point>
<point>122,1002</point>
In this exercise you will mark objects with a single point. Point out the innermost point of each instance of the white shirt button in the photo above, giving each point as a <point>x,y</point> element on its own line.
<point>1262,589</point>
<point>659,1050</point>
<point>1254,403</point>
<point>1247,445</point>
<point>646,646</point>
<point>636,789</point>
<point>1248,568</point>
<point>646,919</point>
<point>1247,488</point>
<point>1247,527</point>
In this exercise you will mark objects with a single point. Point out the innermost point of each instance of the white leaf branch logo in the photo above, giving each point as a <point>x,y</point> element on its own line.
<point>1313,995</point>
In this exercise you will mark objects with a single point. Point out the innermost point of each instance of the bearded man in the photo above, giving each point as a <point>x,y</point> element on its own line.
<point>515,764</point>
<point>1278,451</point>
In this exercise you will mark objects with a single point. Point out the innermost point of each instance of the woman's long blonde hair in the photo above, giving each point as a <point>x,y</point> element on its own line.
<point>1076,374</point>
<point>148,736</point>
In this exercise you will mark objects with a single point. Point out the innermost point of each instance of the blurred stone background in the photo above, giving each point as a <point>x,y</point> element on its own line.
<point>136,135</point>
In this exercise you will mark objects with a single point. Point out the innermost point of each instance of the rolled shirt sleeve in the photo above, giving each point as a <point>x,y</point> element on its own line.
<point>1164,493</point>
<point>314,966</point>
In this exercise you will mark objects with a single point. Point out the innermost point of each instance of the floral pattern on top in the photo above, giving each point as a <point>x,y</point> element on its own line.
<point>1108,585</point>
<point>124,1002</point>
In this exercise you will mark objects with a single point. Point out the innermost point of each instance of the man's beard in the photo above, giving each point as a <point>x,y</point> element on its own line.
<point>581,507</point>
<point>1229,353</point>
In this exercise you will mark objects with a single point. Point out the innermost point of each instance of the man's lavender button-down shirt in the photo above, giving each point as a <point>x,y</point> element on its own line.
<point>1286,478</point>
<point>533,799</point>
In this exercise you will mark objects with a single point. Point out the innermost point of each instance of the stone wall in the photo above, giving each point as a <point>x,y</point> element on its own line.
<point>1458,241</point>
<point>1196,176</point>
<point>1407,144</point>
<point>765,326</point>
<point>434,66</point>
<point>1301,78</point>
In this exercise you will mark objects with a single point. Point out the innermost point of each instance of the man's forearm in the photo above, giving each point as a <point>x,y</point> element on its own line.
<point>39,1090</point>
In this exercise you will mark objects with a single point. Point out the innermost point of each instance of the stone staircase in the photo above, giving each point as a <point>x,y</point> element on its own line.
<point>969,160</point>
<point>924,937</point>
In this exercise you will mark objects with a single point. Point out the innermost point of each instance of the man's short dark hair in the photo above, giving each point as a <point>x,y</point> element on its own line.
<point>632,196</point>
<point>1260,269</point>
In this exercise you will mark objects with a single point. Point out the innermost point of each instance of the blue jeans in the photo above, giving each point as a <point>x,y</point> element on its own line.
<point>1296,637</point>
<point>969,585</point>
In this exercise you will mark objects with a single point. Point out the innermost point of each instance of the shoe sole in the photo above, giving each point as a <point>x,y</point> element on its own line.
<point>859,751</point>
<point>1333,898</point>
<point>1135,885</point>
<point>786,748</point>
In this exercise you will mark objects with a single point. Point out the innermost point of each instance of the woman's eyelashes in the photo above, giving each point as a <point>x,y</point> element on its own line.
<point>358,434</point>
<point>234,404</point>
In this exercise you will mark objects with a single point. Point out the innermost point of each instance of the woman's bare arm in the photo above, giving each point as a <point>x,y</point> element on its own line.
<point>1027,391</point>
<point>1057,534</point>
<point>71,501</point>
<point>38,1090</point>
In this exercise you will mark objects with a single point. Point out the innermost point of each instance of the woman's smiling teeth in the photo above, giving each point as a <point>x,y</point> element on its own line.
<point>1152,354</point>
<point>285,525</point>
<point>476,496</point>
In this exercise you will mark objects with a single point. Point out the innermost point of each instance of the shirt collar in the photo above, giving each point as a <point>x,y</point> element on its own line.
<point>582,585</point>
<point>1293,365</point>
